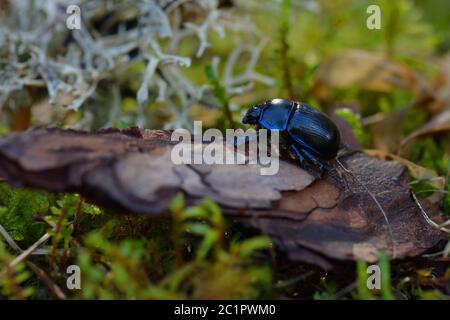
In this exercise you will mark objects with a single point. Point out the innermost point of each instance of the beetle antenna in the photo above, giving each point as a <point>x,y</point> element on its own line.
<point>391,234</point>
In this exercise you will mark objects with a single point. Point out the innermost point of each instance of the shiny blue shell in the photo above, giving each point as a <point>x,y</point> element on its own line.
<point>305,126</point>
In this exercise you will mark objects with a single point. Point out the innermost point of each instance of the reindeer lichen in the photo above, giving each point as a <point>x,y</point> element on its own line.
<point>118,41</point>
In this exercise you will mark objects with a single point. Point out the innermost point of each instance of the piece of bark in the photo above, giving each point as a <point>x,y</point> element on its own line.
<point>312,220</point>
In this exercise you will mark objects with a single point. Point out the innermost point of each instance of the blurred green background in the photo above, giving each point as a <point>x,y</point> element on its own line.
<point>214,59</point>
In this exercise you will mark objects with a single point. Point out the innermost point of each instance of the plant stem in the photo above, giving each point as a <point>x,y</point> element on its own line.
<point>284,49</point>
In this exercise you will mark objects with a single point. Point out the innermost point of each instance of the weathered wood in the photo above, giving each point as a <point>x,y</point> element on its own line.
<point>314,221</point>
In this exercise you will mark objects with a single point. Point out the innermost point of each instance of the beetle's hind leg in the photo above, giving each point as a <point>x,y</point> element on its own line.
<point>318,165</point>
<point>339,177</point>
<point>307,161</point>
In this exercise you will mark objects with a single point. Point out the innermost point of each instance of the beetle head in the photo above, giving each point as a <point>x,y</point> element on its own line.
<point>253,115</point>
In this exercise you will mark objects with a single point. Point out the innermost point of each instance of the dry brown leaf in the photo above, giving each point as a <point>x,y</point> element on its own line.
<point>361,69</point>
<point>438,123</point>
<point>387,133</point>
<point>416,171</point>
<point>441,88</point>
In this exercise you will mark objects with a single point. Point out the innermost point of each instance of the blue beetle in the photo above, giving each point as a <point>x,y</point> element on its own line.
<point>306,133</point>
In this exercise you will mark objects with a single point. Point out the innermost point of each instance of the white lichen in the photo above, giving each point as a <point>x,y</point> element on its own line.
<point>37,50</point>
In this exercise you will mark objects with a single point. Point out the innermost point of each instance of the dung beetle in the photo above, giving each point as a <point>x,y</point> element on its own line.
<point>306,133</point>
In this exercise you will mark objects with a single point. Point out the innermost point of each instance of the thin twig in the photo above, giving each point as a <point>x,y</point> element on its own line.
<point>347,289</point>
<point>57,291</point>
<point>15,246</point>
<point>434,190</point>
<point>76,222</point>
<point>441,226</point>
<point>444,253</point>
<point>293,280</point>
<point>29,251</point>
<point>9,239</point>
<point>33,249</point>
<point>57,232</point>
<point>24,255</point>
<point>284,49</point>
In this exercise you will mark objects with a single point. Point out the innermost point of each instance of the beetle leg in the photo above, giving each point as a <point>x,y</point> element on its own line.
<point>339,177</point>
<point>312,159</point>
<point>298,155</point>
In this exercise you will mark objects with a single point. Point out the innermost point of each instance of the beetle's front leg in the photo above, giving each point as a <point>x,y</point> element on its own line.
<point>297,154</point>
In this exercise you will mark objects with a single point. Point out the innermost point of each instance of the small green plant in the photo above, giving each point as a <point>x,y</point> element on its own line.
<point>328,291</point>
<point>386,285</point>
<point>203,267</point>
<point>13,279</point>
<point>18,209</point>
<point>285,63</point>
<point>362,291</point>
<point>354,121</point>
<point>446,200</point>
<point>221,94</point>
<point>385,291</point>
<point>228,271</point>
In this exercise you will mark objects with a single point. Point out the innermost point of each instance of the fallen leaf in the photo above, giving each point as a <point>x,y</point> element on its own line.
<point>441,88</point>
<point>387,133</point>
<point>362,69</point>
<point>416,171</point>
<point>439,123</point>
